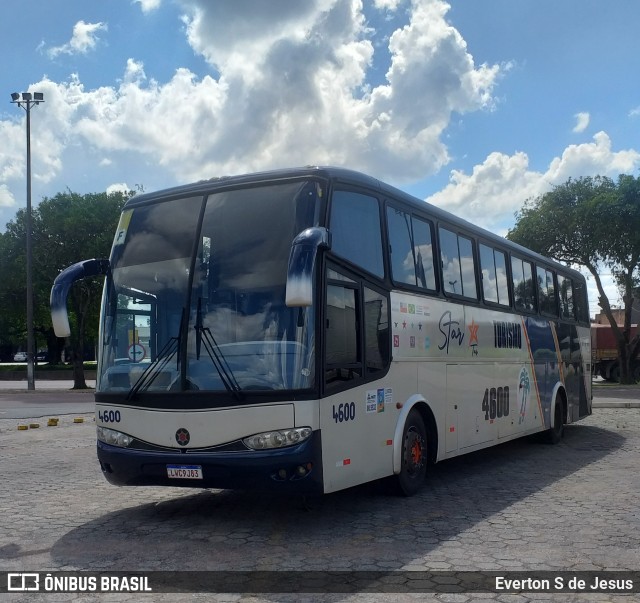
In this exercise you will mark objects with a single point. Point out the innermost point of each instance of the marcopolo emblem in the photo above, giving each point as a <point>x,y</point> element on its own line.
<point>182,436</point>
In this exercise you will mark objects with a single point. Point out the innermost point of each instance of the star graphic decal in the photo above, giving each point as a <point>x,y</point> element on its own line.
<point>473,332</point>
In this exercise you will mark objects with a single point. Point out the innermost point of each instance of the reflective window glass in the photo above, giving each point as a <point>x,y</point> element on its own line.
<point>458,266</point>
<point>355,230</point>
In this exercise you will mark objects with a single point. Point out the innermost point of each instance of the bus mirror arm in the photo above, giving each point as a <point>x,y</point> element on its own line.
<point>60,290</point>
<point>302,260</point>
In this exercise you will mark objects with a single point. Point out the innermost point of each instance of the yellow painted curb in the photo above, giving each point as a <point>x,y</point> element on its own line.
<point>78,420</point>
<point>23,427</point>
<point>34,425</point>
<point>52,422</point>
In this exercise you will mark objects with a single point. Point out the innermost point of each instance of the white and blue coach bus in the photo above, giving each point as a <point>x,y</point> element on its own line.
<point>312,329</point>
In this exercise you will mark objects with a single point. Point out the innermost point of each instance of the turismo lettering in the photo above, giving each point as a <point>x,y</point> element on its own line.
<point>507,334</point>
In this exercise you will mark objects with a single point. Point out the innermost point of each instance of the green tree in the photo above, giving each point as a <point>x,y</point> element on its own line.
<point>594,223</point>
<point>67,228</point>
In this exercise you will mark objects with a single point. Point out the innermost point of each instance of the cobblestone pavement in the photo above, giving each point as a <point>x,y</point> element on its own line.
<point>522,506</point>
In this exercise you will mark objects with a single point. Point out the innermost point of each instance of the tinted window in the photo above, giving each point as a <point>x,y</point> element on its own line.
<point>425,270</point>
<point>411,249</point>
<point>376,336</point>
<point>355,230</point>
<point>402,258</point>
<point>523,285</point>
<point>565,289</point>
<point>458,270</point>
<point>581,301</point>
<point>356,329</point>
<point>494,275</point>
<point>342,336</point>
<point>546,291</point>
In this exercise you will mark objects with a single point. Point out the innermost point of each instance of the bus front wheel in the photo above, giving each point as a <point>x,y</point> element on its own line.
<point>413,468</point>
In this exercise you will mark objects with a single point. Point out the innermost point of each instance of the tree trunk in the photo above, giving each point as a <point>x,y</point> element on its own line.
<point>78,373</point>
<point>77,359</point>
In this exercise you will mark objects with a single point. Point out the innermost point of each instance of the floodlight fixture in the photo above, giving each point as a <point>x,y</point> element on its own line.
<point>27,101</point>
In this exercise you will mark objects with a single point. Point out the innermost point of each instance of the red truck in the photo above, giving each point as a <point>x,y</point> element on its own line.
<point>604,353</point>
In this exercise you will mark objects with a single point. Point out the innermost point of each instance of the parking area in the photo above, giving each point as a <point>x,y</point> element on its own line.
<point>521,506</point>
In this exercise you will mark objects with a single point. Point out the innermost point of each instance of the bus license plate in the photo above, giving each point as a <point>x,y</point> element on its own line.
<point>184,471</point>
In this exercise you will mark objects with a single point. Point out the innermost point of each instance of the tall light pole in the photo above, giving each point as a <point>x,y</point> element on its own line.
<point>26,100</point>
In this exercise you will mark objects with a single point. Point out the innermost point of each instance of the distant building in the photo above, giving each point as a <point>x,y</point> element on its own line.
<point>618,314</point>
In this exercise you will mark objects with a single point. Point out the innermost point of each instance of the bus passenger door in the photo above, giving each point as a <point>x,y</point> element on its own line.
<point>357,414</point>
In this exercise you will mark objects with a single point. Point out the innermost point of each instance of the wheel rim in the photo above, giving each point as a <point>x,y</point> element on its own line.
<point>414,452</point>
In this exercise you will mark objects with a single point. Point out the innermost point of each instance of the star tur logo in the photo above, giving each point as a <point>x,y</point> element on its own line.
<point>183,437</point>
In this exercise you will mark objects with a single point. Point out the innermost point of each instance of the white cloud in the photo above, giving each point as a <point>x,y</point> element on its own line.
<point>118,187</point>
<point>582,121</point>
<point>499,186</point>
<point>84,39</point>
<point>148,6</point>
<point>290,89</point>
<point>390,5</point>
<point>591,159</point>
<point>494,189</point>
<point>293,91</point>
<point>6,196</point>
<point>634,112</point>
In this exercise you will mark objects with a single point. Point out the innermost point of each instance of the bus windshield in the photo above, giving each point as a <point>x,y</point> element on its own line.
<point>196,296</point>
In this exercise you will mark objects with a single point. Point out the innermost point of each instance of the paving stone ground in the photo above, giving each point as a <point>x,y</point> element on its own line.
<point>520,506</point>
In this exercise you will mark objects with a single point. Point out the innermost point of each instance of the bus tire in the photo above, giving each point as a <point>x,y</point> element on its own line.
<point>413,467</point>
<point>555,433</point>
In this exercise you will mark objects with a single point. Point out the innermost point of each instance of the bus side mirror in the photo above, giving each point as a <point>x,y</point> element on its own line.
<point>302,260</point>
<point>60,290</point>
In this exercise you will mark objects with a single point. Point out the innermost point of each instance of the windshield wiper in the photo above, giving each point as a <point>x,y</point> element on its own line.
<point>204,335</point>
<point>164,356</point>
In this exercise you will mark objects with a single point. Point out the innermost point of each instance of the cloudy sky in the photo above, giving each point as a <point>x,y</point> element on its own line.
<point>474,106</point>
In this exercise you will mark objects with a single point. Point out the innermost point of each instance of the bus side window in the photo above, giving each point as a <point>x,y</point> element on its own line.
<point>403,268</point>
<point>546,291</point>
<point>411,249</point>
<point>355,230</point>
<point>523,285</point>
<point>529,287</point>
<point>422,240</point>
<point>581,302</point>
<point>356,329</point>
<point>342,354</point>
<point>494,275</point>
<point>565,289</point>
<point>376,335</point>
<point>458,266</point>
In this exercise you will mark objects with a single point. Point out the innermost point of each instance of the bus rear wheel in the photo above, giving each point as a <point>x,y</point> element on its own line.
<point>554,435</point>
<point>413,468</point>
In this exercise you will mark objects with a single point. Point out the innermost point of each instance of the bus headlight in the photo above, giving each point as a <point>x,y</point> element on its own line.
<point>278,439</point>
<point>113,437</point>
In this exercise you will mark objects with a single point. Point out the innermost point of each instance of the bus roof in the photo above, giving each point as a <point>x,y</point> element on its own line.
<point>346,176</point>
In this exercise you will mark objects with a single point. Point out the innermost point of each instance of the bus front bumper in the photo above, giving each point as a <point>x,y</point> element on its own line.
<point>295,469</point>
